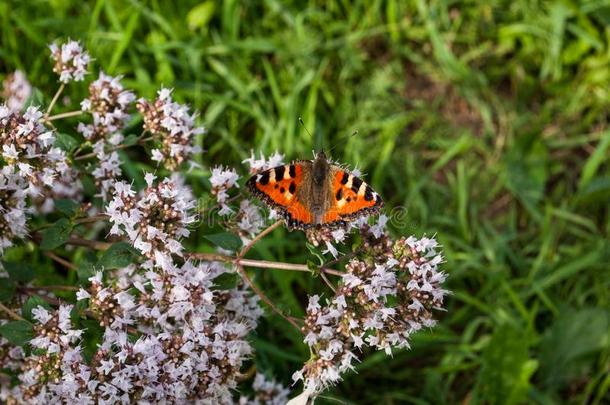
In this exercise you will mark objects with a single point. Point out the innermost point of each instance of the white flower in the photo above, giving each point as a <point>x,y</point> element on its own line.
<point>257,165</point>
<point>41,314</point>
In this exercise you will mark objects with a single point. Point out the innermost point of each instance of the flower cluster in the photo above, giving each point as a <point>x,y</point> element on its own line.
<point>222,180</point>
<point>381,300</point>
<point>108,102</point>
<point>71,61</point>
<point>16,90</point>
<point>257,165</point>
<point>249,220</point>
<point>27,147</point>
<point>12,208</point>
<point>172,126</point>
<point>267,392</point>
<point>154,221</point>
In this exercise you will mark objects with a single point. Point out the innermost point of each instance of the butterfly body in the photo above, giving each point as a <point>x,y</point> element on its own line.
<point>310,193</point>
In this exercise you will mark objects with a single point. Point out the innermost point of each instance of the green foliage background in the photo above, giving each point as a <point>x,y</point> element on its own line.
<point>487,121</point>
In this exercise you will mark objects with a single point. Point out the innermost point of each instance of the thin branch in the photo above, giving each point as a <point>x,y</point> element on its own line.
<point>60,260</point>
<point>93,244</point>
<point>54,100</point>
<point>64,115</point>
<point>263,264</point>
<point>259,237</point>
<point>95,218</point>
<point>50,288</point>
<point>328,283</point>
<point>263,297</point>
<point>11,313</point>
<point>118,147</point>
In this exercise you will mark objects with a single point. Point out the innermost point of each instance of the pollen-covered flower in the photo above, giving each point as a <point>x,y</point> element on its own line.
<point>155,220</point>
<point>71,61</point>
<point>27,147</point>
<point>16,90</point>
<point>172,127</point>
<point>222,180</point>
<point>108,102</point>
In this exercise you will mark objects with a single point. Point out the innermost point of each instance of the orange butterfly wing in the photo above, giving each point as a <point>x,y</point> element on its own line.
<point>277,187</point>
<point>351,197</point>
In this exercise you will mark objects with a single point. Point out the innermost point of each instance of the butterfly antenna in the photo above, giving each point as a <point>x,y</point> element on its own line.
<point>338,140</point>
<point>304,127</point>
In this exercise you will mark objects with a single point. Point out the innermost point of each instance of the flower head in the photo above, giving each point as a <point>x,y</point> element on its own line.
<point>172,126</point>
<point>155,220</point>
<point>108,102</point>
<point>71,61</point>
<point>16,90</point>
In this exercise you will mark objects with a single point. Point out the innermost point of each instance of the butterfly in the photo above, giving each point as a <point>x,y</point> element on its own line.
<point>314,193</point>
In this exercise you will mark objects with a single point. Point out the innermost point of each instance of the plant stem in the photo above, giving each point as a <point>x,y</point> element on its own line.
<point>93,244</point>
<point>60,260</point>
<point>64,115</point>
<point>263,264</point>
<point>11,313</point>
<point>263,297</point>
<point>118,147</point>
<point>54,100</point>
<point>50,288</point>
<point>259,237</point>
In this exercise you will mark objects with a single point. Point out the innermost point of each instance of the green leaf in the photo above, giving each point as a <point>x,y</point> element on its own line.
<point>67,207</point>
<point>130,140</point>
<point>225,240</point>
<point>56,235</point>
<point>66,142</point>
<point>86,267</point>
<point>7,289</point>
<point>17,332</point>
<point>33,302</point>
<point>117,256</point>
<point>571,345</point>
<point>19,272</point>
<point>226,281</point>
<point>200,15</point>
<point>36,99</point>
<point>504,377</point>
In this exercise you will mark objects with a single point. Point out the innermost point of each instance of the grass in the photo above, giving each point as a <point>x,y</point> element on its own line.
<point>487,122</point>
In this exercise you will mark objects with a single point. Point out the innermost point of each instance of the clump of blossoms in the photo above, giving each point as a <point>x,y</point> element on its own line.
<point>155,220</point>
<point>262,163</point>
<point>27,148</point>
<point>266,391</point>
<point>71,61</point>
<point>12,208</point>
<point>16,90</point>
<point>107,103</point>
<point>222,180</point>
<point>172,127</point>
<point>387,293</point>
